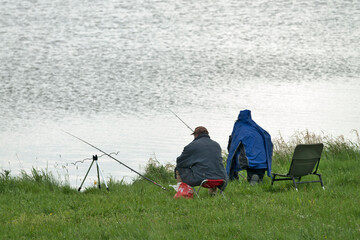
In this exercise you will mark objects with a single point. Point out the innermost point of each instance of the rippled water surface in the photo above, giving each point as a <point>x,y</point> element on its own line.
<point>109,71</point>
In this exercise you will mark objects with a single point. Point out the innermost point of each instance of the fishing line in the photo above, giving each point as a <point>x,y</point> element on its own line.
<point>88,159</point>
<point>148,179</point>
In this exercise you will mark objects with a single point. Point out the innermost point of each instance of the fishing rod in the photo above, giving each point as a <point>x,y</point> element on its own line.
<point>181,120</point>
<point>116,160</point>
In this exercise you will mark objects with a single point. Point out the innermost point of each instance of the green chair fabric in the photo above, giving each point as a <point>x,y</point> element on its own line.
<point>305,161</point>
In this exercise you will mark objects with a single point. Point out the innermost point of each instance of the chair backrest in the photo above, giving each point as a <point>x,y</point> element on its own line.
<point>306,157</point>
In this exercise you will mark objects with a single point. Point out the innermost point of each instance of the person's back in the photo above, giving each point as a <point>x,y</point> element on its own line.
<point>201,159</point>
<point>254,143</point>
<point>250,148</point>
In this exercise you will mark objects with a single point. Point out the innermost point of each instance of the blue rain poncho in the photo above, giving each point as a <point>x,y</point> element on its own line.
<point>250,146</point>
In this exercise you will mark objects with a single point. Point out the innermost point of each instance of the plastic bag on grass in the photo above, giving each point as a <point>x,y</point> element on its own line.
<point>184,191</point>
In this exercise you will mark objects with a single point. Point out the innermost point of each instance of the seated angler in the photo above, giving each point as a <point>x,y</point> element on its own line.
<point>250,148</point>
<point>201,159</point>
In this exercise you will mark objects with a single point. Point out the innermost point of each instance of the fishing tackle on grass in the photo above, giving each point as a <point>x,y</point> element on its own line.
<point>146,178</point>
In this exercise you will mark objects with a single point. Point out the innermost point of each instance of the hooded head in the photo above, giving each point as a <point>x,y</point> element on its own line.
<point>245,116</point>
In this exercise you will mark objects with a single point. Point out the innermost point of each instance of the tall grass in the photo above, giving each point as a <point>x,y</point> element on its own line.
<point>334,148</point>
<point>35,206</point>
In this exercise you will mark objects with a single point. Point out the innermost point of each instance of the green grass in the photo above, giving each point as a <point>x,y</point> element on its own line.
<point>35,206</point>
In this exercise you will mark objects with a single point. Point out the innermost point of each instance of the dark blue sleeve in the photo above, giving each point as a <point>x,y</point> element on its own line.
<point>184,160</point>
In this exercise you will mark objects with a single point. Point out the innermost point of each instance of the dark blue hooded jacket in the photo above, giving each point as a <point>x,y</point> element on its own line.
<point>250,146</point>
<point>201,159</point>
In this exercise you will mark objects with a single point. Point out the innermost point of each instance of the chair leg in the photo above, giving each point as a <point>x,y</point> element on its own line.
<point>294,183</point>
<point>195,192</point>
<point>273,179</point>
<point>321,182</point>
<point>198,191</point>
<point>222,194</point>
<point>203,182</point>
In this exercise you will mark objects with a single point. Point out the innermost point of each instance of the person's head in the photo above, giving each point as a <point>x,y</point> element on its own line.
<point>199,130</point>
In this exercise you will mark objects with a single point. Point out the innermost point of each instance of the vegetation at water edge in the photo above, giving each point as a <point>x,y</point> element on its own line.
<point>35,206</point>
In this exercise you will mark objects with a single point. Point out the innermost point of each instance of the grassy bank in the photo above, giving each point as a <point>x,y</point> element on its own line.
<point>35,206</point>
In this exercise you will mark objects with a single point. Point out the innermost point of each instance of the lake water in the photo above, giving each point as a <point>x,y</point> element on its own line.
<point>109,71</point>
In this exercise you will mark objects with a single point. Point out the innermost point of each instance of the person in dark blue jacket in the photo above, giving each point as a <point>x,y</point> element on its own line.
<point>250,148</point>
<point>201,159</point>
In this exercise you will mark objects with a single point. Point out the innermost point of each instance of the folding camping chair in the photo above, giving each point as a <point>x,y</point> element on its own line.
<point>210,183</point>
<point>305,161</point>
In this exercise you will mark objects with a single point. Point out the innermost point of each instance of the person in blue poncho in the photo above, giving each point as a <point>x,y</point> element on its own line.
<point>250,148</point>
